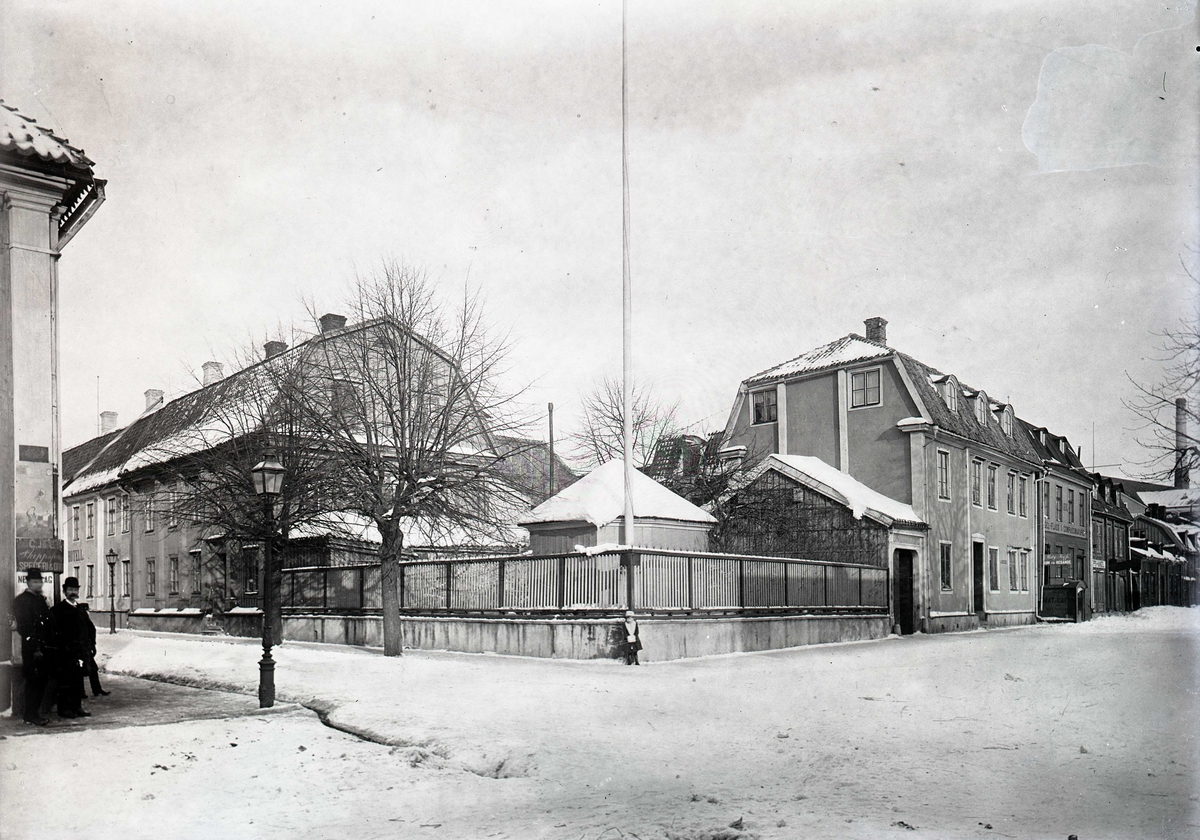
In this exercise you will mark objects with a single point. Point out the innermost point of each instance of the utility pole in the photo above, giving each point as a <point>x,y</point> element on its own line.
<point>550,489</point>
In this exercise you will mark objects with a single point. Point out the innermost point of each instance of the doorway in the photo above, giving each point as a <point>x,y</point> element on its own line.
<point>904,600</point>
<point>977,578</point>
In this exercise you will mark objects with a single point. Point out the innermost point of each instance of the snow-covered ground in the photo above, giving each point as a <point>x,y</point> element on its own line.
<point>1033,732</point>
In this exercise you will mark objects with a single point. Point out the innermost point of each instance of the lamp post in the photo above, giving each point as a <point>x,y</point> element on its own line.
<point>268,482</point>
<point>111,557</point>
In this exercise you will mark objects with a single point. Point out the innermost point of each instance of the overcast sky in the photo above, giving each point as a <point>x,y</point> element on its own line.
<point>1011,185</point>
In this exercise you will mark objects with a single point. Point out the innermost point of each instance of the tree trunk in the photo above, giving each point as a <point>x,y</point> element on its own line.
<point>389,574</point>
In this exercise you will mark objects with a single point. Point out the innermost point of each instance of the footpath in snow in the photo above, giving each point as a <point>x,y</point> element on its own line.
<point>1035,732</point>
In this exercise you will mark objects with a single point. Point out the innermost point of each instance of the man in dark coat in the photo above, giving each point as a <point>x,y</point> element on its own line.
<point>36,627</point>
<point>72,640</point>
<point>89,661</point>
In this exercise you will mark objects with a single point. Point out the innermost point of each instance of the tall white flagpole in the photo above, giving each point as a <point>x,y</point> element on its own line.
<point>626,292</point>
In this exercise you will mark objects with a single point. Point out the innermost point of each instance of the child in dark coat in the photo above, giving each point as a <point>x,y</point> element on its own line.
<point>633,642</point>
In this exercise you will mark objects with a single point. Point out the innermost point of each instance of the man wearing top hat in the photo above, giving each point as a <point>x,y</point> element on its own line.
<point>72,641</point>
<point>36,627</point>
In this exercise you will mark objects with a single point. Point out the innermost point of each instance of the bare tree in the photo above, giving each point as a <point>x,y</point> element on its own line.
<point>1173,448</point>
<point>600,437</point>
<point>411,412</point>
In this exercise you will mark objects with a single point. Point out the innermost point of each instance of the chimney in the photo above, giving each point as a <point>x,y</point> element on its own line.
<point>1182,479</point>
<point>108,422</point>
<point>154,398</point>
<point>331,322</point>
<point>213,372</point>
<point>273,348</point>
<point>876,330</point>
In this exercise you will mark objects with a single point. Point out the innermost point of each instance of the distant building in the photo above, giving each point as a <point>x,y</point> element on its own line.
<point>1113,587</point>
<point>921,438</point>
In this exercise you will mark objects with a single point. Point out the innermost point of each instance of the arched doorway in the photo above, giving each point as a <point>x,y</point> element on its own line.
<point>904,600</point>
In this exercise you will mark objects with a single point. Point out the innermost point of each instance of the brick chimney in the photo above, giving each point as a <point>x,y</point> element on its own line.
<point>154,398</point>
<point>273,348</point>
<point>108,422</point>
<point>213,372</point>
<point>331,322</point>
<point>876,330</point>
<point>1182,479</point>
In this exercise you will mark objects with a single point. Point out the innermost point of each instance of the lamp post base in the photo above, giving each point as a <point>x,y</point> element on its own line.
<point>266,680</point>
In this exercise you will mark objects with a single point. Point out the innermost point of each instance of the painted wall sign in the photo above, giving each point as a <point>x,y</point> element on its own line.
<point>44,554</point>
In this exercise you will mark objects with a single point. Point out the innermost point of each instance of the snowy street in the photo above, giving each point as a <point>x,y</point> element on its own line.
<point>1034,732</point>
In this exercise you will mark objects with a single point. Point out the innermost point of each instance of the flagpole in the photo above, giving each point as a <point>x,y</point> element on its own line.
<point>626,293</point>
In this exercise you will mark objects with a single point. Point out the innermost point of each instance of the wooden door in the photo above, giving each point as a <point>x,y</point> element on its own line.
<point>904,601</point>
<point>977,577</point>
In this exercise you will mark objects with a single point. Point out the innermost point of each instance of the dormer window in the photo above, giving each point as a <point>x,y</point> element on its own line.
<point>947,388</point>
<point>1006,420</point>
<point>981,407</point>
<point>864,388</point>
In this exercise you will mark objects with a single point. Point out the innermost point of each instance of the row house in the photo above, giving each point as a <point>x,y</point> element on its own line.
<point>1064,526</point>
<point>1112,580</point>
<point>922,438</point>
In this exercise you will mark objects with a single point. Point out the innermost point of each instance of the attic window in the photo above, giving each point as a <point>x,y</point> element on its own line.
<point>766,406</point>
<point>948,388</point>
<point>981,407</point>
<point>1006,420</point>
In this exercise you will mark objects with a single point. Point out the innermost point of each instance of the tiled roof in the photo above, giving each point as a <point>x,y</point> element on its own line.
<point>843,351</point>
<point>963,422</point>
<point>22,135</point>
<point>1056,449</point>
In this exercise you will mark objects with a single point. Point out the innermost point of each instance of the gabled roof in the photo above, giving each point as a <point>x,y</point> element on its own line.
<point>843,351</point>
<point>599,499</point>
<point>23,136</point>
<point>1186,498</point>
<point>853,348</point>
<point>1056,450</point>
<point>842,487</point>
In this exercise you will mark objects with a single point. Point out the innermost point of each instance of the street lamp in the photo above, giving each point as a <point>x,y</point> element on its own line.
<point>111,557</point>
<point>268,482</point>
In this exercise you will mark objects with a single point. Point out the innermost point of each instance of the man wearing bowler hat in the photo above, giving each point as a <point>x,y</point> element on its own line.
<point>36,626</point>
<point>72,640</point>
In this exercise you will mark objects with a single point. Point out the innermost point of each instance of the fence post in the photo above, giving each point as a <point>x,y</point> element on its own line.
<point>825,577</point>
<point>449,588</point>
<point>403,578</point>
<point>691,594</point>
<point>787,584</point>
<point>629,560</point>
<point>562,582</point>
<point>860,571</point>
<point>500,585</point>
<point>325,590</point>
<point>741,584</point>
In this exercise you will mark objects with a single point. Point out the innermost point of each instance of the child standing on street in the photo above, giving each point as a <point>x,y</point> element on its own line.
<point>633,642</point>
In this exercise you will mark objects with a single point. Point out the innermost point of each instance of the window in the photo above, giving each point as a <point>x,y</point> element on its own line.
<point>148,512</point>
<point>994,569</point>
<point>864,388</point>
<point>1006,421</point>
<point>110,515</point>
<point>1083,507</point>
<point>1058,502</point>
<point>1023,497</point>
<point>952,394</point>
<point>172,505</point>
<point>151,578</point>
<point>991,490</point>
<point>91,520</point>
<point>981,407</point>
<point>1024,571</point>
<point>1013,583</point>
<point>1012,493</point>
<point>943,474</point>
<point>124,578</point>
<point>195,558</point>
<point>976,482</point>
<point>124,514</point>
<point>90,591</point>
<point>75,523</point>
<point>946,567</point>
<point>1046,499</point>
<point>766,406</point>
<point>173,574</point>
<point>250,567</point>
<point>1070,506</point>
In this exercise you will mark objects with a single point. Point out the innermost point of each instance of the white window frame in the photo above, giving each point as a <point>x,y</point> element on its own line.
<point>75,523</point>
<point>125,514</point>
<point>993,561</point>
<point>126,579</point>
<point>992,488</point>
<point>772,403</point>
<point>1023,499</point>
<point>173,574</point>
<point>944,488</point>
<point>90,521</point>
<point>151,577</point>
<point>946,565</point>
<point>1010,491</point>
<point>878,371</point>
<point>1070,505</point>
<point>1014,582</point>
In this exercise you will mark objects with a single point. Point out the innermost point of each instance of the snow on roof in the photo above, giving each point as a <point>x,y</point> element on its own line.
<point>599,498</point>
<point>841,487</point>
<point>848,348</point>
<point>1186,497</point>
<point>24,136</point>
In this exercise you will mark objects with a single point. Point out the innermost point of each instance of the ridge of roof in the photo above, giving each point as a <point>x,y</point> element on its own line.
<point>840,351</point>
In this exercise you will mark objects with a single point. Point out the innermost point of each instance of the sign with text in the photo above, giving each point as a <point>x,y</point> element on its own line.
<point>44,554</point>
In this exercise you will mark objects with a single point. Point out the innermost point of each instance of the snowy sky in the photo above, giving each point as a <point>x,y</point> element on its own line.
<point>1012,185</point>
